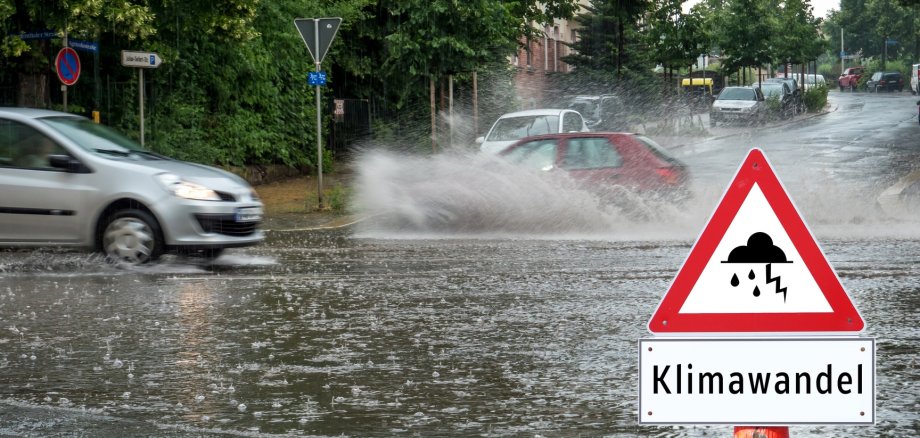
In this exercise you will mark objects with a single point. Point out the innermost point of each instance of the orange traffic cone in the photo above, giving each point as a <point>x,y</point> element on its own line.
<point>761,432</point>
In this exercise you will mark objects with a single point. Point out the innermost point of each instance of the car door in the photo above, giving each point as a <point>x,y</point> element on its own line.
<point>593,161</point>
<point>38,203</point>
<point>573,122</point>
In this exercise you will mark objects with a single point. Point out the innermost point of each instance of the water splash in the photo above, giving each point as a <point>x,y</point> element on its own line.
<point>468,194</point>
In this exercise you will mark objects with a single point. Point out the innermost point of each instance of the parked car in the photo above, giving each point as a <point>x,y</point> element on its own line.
<point>738,104</point>
<point>512,127</point>
<point>797,94</point>
<point>601,113</point>
<point>914,80</point>
<point>885,80</point>
<point>86,185</point>
<point>810,81</point>
<point>783,95</point>
<point>600,160</point>
<point>850,78</point>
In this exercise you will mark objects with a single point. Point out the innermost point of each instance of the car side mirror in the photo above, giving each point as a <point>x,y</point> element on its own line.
<point>67,163</point>
<point>480,140</point>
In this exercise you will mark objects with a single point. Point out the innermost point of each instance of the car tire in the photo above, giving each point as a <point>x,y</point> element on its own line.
<point>853,87</point>
<point>841,87</point>
<point>132,237</point>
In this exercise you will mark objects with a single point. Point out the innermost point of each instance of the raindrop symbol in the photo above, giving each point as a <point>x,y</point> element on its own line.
<point>756,291</point>
<point>751,274</point>
<point>735,281</point>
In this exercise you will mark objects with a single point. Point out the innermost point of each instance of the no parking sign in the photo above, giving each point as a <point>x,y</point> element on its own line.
<point>67,64</point>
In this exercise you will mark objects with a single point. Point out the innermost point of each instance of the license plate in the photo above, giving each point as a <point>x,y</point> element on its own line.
<point>249,214</point>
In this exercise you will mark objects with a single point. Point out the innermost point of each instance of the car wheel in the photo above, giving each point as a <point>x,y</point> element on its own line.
<point>132,237</point>
<point>853,87</point>
<point>841,87</point>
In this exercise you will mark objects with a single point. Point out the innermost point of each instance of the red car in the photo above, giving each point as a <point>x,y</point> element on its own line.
<point>603,160</point>
<point>850,78</point>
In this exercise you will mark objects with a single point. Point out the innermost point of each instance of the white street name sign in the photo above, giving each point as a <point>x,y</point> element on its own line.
<point>140,59</point>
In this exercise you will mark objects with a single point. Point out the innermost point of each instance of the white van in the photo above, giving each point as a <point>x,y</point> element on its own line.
<point>914,82</point>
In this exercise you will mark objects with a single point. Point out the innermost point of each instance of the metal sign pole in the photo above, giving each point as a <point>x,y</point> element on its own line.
<point>140,100</point>
<point>319,125</point>
<point>64,87</point>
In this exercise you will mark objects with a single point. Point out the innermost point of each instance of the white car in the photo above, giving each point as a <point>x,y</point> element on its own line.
<point>738,104</point>
<point>810,81</point>
<point>66,181</point>
<point>512,127</point>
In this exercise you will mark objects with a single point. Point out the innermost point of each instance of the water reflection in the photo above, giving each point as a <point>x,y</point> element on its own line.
<point>359,337</point>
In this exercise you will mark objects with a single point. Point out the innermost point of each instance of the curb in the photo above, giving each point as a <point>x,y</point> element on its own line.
<point>339,223</point>
<point>788,122</point>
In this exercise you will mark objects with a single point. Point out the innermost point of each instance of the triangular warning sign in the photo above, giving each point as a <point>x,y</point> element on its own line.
<point>756,268</point>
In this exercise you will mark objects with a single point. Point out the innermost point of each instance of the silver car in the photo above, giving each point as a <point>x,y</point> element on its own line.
<point>738,104</point>
<point>66,181</point>
<point>511,127</point>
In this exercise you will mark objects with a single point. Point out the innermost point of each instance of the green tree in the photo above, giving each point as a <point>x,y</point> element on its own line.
<point>744,33</point>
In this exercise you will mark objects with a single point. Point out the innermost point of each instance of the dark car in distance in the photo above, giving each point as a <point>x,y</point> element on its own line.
<point>598,161</point>
<point>885,80</point>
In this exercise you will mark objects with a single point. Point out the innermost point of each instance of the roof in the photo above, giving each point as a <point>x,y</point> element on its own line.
<point>32,113</point>
<point>534,112</point>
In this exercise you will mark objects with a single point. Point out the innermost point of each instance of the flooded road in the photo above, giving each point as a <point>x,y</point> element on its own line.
<point>514,327</point>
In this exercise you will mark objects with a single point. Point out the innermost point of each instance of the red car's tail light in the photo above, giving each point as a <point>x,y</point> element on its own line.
<point>670,175</point>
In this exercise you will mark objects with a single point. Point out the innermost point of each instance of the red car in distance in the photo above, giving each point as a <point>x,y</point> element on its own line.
<point>599,161</point>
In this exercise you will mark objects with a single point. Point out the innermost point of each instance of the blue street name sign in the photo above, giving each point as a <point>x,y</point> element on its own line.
<point>316,78</point>
<point>86,46</point>
<point>37,35</point>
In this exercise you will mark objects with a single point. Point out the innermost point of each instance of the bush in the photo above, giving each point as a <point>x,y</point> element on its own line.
<point>815,99</point>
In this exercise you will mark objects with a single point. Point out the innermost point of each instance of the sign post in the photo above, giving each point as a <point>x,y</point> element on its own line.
<point>140,61</point>
<point>756,327</point>
<point>317,34</point>
<point>67,64</point>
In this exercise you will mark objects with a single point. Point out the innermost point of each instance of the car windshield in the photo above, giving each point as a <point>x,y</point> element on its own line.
<point>737,94</point>
<point>96,138</point>
<point>770,90</point>
<point>515,128</point>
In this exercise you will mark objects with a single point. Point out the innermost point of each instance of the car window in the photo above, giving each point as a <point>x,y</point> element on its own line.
<point>571,122</point>
<point>738,94</point>
<point>93,137</point>
<point>25,147</point>
<point>516,128</point>
<point>537,154</point>
<point>657,150</point>
<point>590,153</point>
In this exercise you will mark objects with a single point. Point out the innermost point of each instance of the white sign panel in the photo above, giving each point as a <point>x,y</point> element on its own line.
<point>140,59</point>
<point>762,381</point>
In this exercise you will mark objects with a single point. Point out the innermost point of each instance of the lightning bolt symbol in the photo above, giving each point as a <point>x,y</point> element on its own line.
<point>771,280</point>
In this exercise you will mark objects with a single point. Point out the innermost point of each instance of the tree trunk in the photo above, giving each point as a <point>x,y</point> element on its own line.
<point>34,80</point>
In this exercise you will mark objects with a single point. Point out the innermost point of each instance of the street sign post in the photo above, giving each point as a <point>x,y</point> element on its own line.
<point>141,61</point>
<point>317,34</point>
<point>756,271</point>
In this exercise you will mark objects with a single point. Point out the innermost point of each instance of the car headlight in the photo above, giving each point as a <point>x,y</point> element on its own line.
<point>186,189</point>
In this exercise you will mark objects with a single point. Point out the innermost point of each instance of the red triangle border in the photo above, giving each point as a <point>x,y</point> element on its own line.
<point>755,170</point>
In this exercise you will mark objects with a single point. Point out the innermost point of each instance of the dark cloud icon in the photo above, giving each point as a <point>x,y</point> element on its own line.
<point>759,249</point>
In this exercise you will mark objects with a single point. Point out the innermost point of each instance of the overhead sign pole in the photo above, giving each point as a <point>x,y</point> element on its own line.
<point>140,61</point>
<point>317,34</point>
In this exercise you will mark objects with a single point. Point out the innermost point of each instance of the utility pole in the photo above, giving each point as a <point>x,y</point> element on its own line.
<point>842,53</point>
